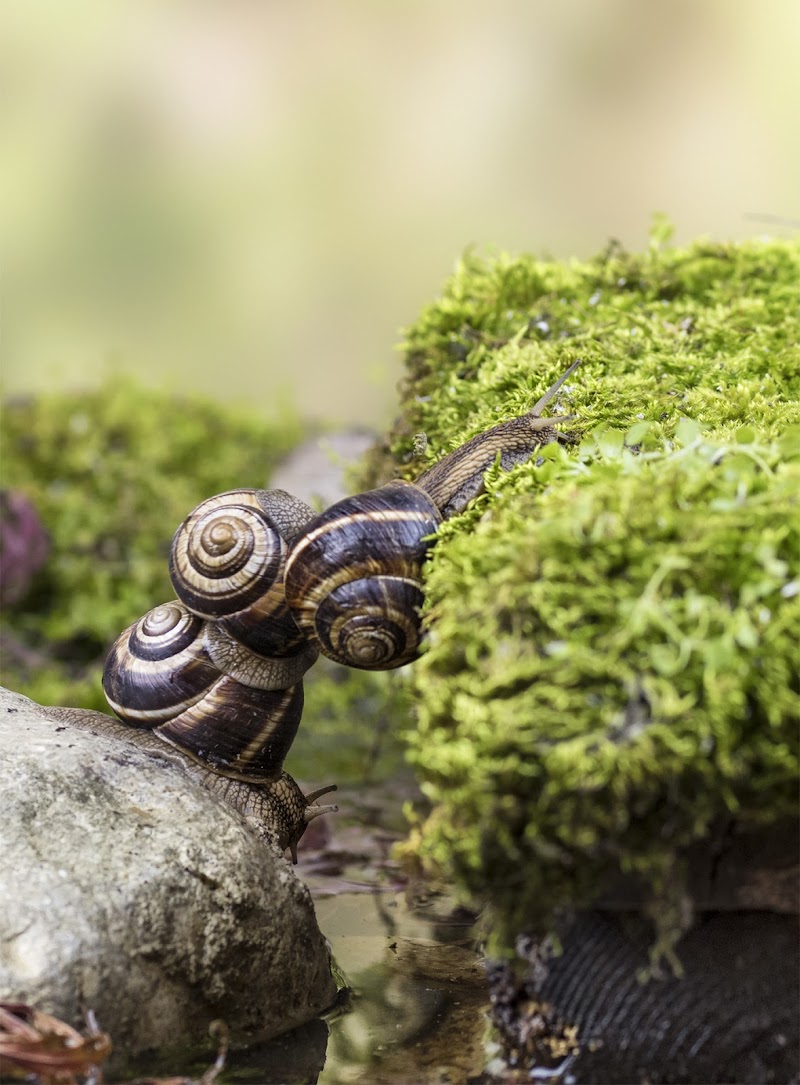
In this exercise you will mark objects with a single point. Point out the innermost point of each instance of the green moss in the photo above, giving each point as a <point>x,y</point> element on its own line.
<point>710,331</point>
<point>613,653</point>
<point>112,472</point>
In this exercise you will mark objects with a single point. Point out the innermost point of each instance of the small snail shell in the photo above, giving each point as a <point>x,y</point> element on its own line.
<point>353,577</point>
<point>163,673</point>
<point>158,666</point>
<point>227,561</point>
<point>225,555</point>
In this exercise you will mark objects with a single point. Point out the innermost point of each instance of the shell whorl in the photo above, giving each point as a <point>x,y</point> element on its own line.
<point>227,556</point>
<point>227,562</point>
<point>159,666</point>
<point>353,578</point>
<point>203,692</point>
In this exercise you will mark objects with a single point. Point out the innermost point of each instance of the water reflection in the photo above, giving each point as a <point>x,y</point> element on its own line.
<point>418,1008</point>
<point>297,1056</point>
<point>413,1012</point>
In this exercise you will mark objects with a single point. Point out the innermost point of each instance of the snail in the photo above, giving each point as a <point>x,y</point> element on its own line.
<point>217,673</point>
<point>263,587</point>
<point>353,578</point>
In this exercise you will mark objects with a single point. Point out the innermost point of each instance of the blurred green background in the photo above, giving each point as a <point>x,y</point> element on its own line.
<point>247,199</point>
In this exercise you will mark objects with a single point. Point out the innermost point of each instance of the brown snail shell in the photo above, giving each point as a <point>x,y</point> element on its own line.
<point>353,578</point>
<point>239,730</point>
<point>161,674</point>
<point>158,666</point>
<point>227,561</point>
<point>226,555</point>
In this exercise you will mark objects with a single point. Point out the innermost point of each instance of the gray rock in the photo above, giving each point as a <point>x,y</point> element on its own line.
<point>316,471</point>
<point>127,887</point>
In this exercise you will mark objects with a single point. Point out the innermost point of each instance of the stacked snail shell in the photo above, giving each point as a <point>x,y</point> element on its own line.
<point>263,586</point>
<point>218,671</point>
<point>353,578</point>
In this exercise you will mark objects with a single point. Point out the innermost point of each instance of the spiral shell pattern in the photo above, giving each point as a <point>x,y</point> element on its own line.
<point>353,578</point>
<point>227,556</point>
<point>158,666</point>
<point>206,694</point>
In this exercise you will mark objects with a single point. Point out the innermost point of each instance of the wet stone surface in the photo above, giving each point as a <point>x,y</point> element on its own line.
<point>130,889</point>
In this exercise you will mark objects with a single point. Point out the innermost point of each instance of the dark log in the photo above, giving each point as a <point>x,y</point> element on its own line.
<point>599,1013</point>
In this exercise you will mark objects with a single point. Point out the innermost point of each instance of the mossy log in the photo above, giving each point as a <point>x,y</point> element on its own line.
<point>608,710</point>
<point>612,672</point>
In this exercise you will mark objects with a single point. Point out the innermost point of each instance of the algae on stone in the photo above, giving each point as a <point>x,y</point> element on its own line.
<point>613,661</point>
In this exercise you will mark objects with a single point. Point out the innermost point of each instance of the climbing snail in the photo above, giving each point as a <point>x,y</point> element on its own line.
<point>354,573</point>
<point>263,586</point>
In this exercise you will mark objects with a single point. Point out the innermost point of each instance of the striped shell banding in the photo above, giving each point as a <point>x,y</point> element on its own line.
<point>161,673</point>
<point>354,577</point>
<point>227,561</point>
<point>218,672</point>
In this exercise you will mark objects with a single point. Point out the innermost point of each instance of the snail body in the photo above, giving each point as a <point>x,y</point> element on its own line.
<point>263,587</point>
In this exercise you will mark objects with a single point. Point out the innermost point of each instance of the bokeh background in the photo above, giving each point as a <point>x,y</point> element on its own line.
<point>248,199</point>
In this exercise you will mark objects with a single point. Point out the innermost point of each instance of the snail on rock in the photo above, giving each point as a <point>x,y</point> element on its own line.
<point>217,673</point>
<point>263,586</point>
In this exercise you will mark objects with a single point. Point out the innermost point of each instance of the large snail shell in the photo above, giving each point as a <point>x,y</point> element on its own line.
<point>239,730</point>
<point>268,627</point>
<point>353,578</point>
<point>206,694</point>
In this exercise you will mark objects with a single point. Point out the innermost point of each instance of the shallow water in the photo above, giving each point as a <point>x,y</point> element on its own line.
<point>417,1012</point>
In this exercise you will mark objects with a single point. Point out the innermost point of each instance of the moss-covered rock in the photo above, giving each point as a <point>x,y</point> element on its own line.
<point>613,660</point>
<point>111,473</point>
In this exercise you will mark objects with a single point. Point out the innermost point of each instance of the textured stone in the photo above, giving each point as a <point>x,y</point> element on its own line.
<point>316,471</point>
<point>129,888</point>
